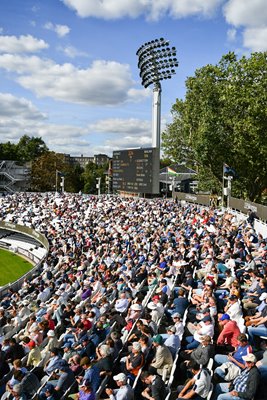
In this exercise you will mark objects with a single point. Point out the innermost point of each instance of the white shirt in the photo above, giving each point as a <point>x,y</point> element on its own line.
<point>205,330</point>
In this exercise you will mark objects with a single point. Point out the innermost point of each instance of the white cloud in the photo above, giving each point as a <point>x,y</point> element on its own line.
<point>125,126</point>
<point>255,38</point>
<point>151,9</point>
<point>231,35</point>
<point>18,109</point>
<point>72,52</point>
<point>246,13</point>
<point>251,17</point>
<point>60,30</point>
<point>21,44</point>
<point>19,116</point>
<point>103,83</point>
<point>129,142</point>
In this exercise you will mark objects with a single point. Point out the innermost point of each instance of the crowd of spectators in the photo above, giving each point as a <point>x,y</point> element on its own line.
<point>131,293</point>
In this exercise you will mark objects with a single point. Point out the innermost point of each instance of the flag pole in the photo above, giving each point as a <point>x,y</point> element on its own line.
<point>223,186</point>
<point>56,179</point>
<point>167,171</point>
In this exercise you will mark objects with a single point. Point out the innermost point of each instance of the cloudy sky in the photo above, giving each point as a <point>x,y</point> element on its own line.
<point>68,68</point>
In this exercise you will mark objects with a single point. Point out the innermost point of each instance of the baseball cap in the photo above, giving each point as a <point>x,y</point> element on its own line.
<point>49,388</point>
<point>250,358</point>
<point>66,345</point>
<point>171,328</point>
<point>233,297</point>
<point>31,343</point>
<point>209,283</point>
<point>120,377</point>
<point>176,315</point>
<point>205,319</point>
<point>136,307</point>
<point>51,333</point>
<point>157,339</point>
<point>224,317</point>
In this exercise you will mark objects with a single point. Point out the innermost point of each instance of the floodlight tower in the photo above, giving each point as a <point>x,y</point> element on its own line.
<point>156,61</point>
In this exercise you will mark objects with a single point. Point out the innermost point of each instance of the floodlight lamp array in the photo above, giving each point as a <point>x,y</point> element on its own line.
<point>156,61</point>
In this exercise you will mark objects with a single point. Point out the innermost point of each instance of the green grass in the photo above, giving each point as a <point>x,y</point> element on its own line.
<point>12,267</point>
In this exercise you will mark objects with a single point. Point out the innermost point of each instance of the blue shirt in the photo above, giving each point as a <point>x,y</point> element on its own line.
<point>242,351</point>
<point>92,374</point>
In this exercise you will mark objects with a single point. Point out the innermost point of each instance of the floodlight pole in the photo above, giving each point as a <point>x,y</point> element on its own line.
<point>156,115</point>
<point>156,61</point>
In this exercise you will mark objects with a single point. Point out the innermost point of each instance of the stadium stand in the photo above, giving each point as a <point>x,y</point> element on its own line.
<point>114,268</point>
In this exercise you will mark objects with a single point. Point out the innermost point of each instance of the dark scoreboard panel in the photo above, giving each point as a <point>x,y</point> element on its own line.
<point>136,170</point>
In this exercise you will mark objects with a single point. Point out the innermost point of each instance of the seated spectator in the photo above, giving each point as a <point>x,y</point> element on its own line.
<point>68,352</point>
<point>201,354</point>
<point>122,304</point>
<point>74,363</point>
<point>178,323</point>
<point>236,358</point>
<point>179,304</point>
<point>61,380</point>
<point>28,383</point>
<point>228,338</point>
<point>125,392</point>
<point>85,392</point>
<point>233,308</point>
<point>104,362</point>
<point>15,351</point>
<point>34,356</point>
<point>52,364</point>
<point>199,386</point>
<point>244,385</point>
<point>134,361</point>
<point>163,359</point>
<point>172,340</point>
<point>205,327</point>
<point>155,389</point>
<point>91,374</point>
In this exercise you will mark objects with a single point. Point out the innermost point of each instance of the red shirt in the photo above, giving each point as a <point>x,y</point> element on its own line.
<point>229,334</point>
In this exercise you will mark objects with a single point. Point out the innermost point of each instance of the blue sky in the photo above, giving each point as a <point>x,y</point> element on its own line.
<point>68,68</point>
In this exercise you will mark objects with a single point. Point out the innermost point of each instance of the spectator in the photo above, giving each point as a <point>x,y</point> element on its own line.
<point>125,392</point>
<point>228,338</point>
<point>199,386</point>
<point>163,359</point>
<point>244,385</point>
<point>155,389</point>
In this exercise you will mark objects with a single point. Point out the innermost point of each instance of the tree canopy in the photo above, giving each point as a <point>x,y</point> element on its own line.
<point>223,119</point>
<point>27,149</point>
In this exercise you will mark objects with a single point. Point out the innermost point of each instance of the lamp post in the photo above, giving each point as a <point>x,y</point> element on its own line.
<point>156,61</point>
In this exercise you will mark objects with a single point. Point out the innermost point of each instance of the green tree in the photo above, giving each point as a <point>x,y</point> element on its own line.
<point>90,175</point>
<point>30,148</point>
<point>44,172</point>
<point>8,151</point>
<point>223,119</point>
